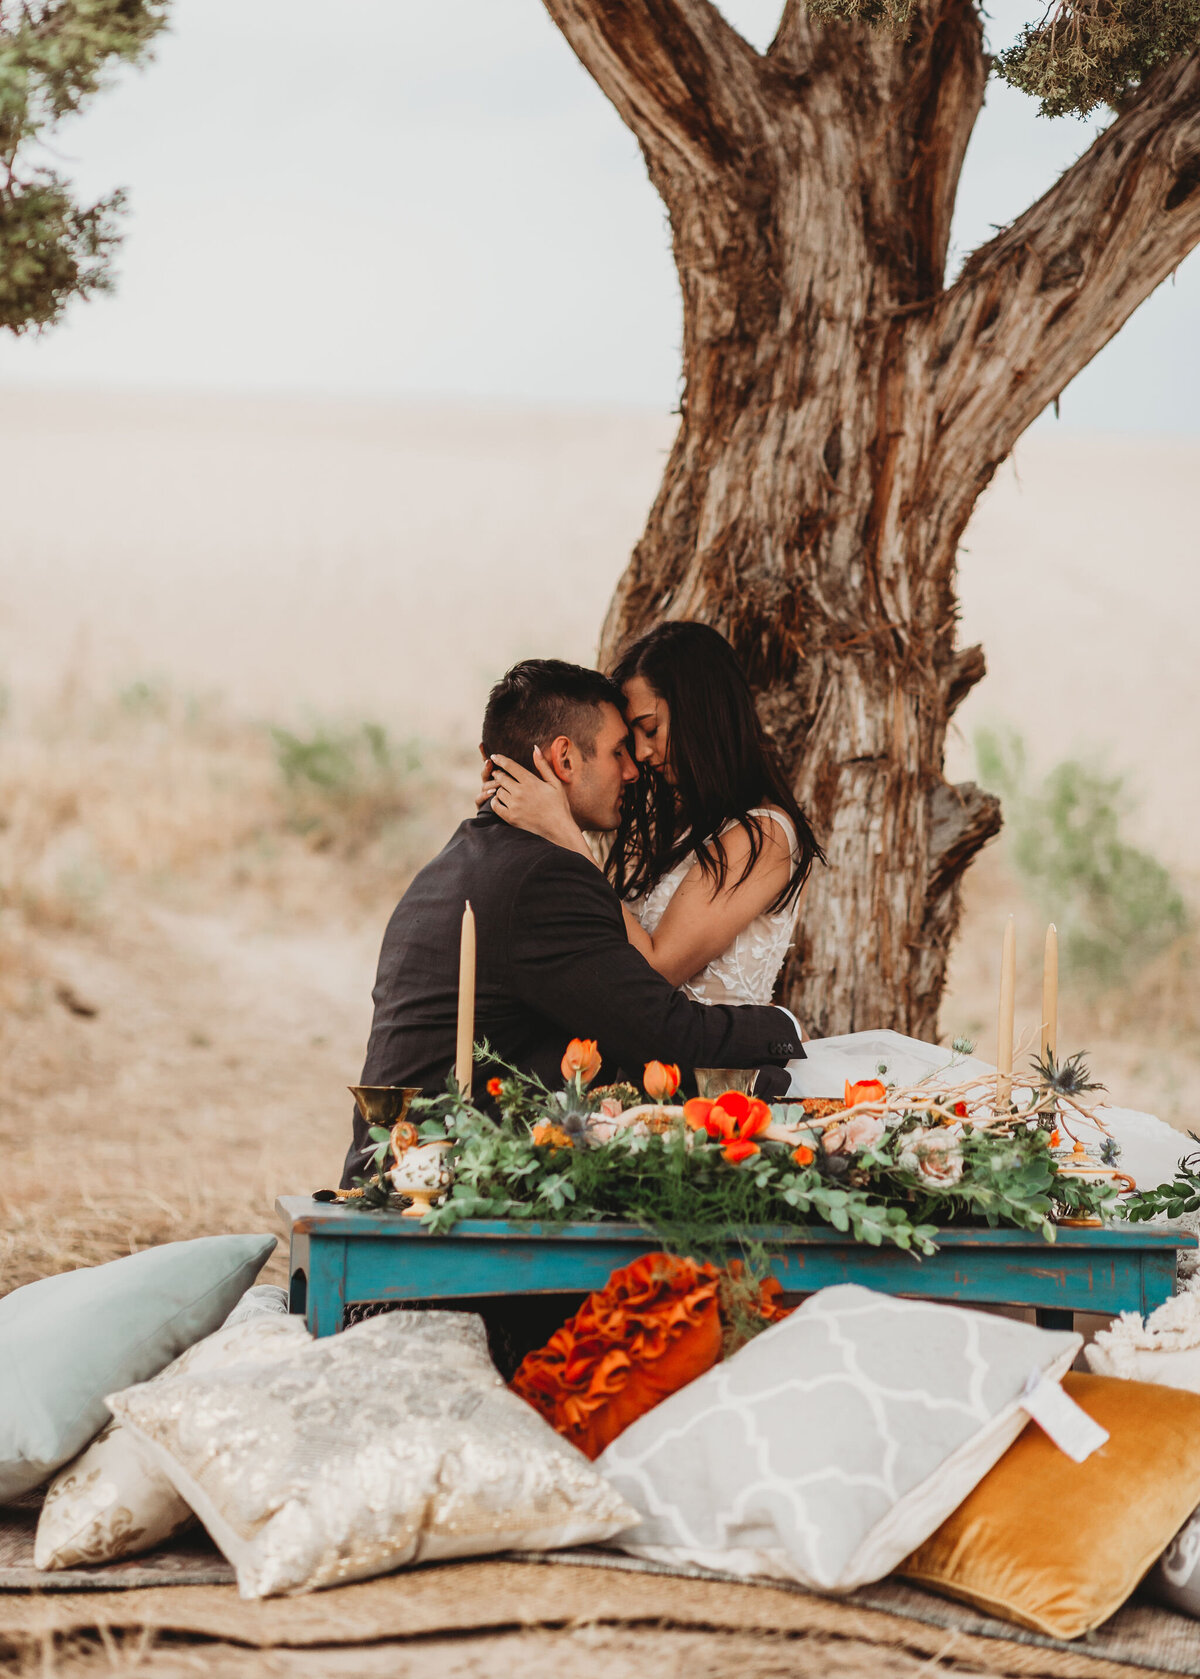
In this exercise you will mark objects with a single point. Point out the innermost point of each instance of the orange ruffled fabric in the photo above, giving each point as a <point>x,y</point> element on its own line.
<point>650,1330</point>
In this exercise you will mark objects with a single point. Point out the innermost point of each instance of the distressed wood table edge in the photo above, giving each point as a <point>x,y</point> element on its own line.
<point>307,1217</point>
<point>340,1256</point>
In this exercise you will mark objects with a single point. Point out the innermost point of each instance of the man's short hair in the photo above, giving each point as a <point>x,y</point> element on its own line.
<point>540,699</point>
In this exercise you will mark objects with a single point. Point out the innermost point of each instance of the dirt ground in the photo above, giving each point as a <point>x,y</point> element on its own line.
<point>616,1652</point>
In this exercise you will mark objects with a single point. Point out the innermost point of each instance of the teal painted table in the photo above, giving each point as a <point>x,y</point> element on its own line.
<point>340,1257</point>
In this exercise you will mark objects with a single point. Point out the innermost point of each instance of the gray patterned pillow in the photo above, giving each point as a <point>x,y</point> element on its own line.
<point>834,1443</point>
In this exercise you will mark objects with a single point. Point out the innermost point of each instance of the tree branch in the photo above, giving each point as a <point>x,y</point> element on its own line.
<point>910,99</point>
<point>683,79</point>
<point>1032,308</point>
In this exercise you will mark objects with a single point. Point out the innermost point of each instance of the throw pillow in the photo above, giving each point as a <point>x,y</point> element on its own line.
<point>263,1300</point>
<point>1057,1545</point>
<point>111,1502</point>
<point>69,1340</point>
<point>394,1442</point>
<point>653,1327</point>
<point>1166,1348</point>
<point>1175,1577</point>
<point>827,1445</point>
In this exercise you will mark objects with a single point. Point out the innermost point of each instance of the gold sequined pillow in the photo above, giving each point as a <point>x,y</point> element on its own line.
<point>395,1442</point>
<point>110,1501</point>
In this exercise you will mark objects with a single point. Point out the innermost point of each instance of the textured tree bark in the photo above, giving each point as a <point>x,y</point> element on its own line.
<point>844,409</point>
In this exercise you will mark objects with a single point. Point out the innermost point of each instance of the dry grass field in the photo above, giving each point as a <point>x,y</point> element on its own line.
<point>220,638</point>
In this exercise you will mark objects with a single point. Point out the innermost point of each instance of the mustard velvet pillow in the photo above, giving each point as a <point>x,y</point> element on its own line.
<point>1058,1546</point>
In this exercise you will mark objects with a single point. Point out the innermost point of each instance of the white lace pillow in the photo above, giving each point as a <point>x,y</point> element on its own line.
<point>111,1502</point>
<point>395,1442</point>
<point>832,1444</point>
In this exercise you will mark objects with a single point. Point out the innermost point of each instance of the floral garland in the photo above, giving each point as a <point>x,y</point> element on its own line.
<point>883,1166</point>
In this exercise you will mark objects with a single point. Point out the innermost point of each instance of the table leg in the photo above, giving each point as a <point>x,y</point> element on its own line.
<point>326,1286</point>
<point>1053,1317</point>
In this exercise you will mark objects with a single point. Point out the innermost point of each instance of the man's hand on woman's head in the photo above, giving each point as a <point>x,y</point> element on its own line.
<point>488,786</point>
<point>536,802</point>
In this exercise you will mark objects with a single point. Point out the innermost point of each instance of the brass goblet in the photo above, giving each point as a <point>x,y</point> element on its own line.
<point>383,1104</point>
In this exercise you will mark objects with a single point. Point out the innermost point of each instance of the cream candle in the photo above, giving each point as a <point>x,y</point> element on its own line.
<point>464,1049</point>
<point>1004,1024</point>
<point>1050,993</point>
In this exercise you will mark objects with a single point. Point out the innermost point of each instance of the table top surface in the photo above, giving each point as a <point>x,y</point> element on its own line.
<point>308,1217</point>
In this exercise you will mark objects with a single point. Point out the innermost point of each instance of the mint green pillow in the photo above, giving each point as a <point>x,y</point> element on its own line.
<point>68,1340</point>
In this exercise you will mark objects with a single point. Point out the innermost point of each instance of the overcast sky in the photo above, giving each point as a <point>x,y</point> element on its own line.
<point>402,198</point>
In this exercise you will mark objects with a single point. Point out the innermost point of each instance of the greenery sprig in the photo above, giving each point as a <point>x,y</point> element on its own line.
<point>1181,1195</point>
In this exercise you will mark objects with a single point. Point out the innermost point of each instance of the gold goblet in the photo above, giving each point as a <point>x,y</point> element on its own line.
<point>712,1082</point>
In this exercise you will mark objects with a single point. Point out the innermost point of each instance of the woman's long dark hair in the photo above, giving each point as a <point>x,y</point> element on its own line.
<point>724,767</point>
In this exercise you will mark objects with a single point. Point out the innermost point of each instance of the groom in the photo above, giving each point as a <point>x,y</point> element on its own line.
<point>553,961</point>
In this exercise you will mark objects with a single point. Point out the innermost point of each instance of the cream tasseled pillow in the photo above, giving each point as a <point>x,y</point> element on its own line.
<point>1165,1349</point>
<point>392,1443</point>
<point>111,1501</point>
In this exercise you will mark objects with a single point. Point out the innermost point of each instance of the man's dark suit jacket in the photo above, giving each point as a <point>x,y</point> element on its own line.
<point>552,963</point>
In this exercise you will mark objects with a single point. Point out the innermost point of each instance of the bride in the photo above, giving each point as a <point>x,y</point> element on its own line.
<point>712,851</point>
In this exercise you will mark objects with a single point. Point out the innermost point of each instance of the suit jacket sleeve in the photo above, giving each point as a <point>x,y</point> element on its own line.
<point>571,961</point>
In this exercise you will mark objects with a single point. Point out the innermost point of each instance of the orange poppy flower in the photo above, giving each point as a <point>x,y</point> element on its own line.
<point>660,1080</point>
<point>867,1090</point>
<point>1055,1139</point>
<point>493,1087</point>
<point>696,1112</point>
<point>802,1155</point>
<point>733,1118</point>
<point>741,1148</point>
<point>582,1059</point>
<point>757,1120</point>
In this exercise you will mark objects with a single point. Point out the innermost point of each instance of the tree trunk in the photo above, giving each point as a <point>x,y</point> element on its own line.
<point>843,410</point>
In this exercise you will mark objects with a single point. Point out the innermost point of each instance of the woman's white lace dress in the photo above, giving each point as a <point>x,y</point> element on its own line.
<point>747,971</point>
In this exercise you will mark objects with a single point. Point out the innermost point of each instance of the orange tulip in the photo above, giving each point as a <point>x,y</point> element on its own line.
<point>660,1080</point>
<point>868,1090</point>
<point>741,1148</point>
<point>582,1060</point>
<point>493,1087</point>
<point>802,1155</point>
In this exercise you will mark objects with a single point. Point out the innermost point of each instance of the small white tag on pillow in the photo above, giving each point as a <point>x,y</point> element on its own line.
<point>1067,1424</point>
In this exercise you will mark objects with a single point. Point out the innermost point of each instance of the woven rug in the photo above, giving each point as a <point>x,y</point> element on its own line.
<point>187,1588</point>
<point>190,1559</point>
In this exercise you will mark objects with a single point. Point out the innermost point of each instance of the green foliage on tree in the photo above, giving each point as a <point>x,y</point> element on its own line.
<point>1079,53</point>
<point>1086,53</point>
<point>54,56</point>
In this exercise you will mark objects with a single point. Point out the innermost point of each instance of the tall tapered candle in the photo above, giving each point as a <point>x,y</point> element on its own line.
<point>464,1057</point>
<point>1050,993</point>
<point>1004,1026</point>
